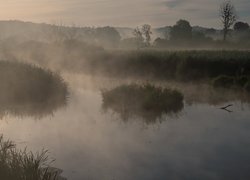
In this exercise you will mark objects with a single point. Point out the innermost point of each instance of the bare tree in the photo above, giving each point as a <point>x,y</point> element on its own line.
<point>146,31</point>
<point>228,17</point>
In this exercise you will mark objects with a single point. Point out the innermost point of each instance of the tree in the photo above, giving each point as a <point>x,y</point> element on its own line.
<point>139,37</point>
<point>107,36</point>
<point>228,17</point>
<point>146,31</point>
<point>182,30</point>
<point>241,26</point>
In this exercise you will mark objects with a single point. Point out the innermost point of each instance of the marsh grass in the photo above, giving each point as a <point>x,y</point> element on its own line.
<point>233,82</point>
<point>178,65</point>
<point>27,89</point>
<point>23,165</point>
<point>146,101</point>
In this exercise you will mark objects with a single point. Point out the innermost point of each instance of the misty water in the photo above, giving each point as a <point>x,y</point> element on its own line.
<point>202,141</point>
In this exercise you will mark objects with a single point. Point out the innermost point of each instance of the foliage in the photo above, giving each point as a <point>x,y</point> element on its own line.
<point>241,26</point>
<point>223,81</point>
<point>22,165</point>
<point>228,17</point>
<point>146,101</point>
<point>138,37</point>
<point>182,30</point>
<point>181,65</point>
<point>146,31</point>
<point>26,89</point>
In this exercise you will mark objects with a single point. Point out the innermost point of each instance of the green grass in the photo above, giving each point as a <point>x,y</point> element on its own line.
<point>27,89</point>
<point>18,164</point>
<point>146,101</point>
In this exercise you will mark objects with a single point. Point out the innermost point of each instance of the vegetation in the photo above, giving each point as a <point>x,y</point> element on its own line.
<point>26,89</point>
<point>174,65</point>
<point>18,164</point>
<point>182,31</point>
<point>146,101</point>
<point>241,82</point>
<point>228,17</point>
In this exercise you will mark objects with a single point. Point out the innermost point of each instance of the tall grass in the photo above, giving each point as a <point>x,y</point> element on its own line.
<point>27,89</point>
<point>180,65</point>
<point>23,165</point>
<point>146,101</point>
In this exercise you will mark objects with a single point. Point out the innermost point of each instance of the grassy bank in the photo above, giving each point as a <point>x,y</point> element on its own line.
<point>18,164</point>
<point>180,65</point>
<point>26,89</point>
<point>146,101</point>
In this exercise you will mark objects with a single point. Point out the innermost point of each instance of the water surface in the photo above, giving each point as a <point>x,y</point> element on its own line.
<point>200,142</point>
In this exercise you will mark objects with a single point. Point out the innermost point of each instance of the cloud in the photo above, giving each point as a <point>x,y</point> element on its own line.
<point>130,13</point>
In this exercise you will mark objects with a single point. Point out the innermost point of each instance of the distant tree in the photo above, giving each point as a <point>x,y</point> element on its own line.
<point>228,17</point>
<point>139,37</point>
<point>160,42</point>
<point>182,30</point>
<point>241,26</point>
<point>146,31</point>
<point>107,36</point>
<point>210,31</point>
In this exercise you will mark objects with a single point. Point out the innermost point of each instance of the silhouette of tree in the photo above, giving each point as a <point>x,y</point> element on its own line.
<point>228,17</point>
<point>146,31</point>
<point>241,26</point>
<point>182,30</point>
<point>139,37</point>
<point>107,36</point>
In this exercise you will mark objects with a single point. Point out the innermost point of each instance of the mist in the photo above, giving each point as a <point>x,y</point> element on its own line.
<point>131,90</point>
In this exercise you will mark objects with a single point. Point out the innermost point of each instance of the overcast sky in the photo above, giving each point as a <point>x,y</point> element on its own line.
<point>123,13</point>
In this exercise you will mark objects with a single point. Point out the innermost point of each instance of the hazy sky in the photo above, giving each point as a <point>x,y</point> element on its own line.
<point>119,12</point>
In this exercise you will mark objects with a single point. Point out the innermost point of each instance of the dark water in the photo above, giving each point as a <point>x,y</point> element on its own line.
<point>200,142</point>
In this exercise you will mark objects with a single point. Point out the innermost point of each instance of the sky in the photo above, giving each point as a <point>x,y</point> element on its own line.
<point>122,13</point>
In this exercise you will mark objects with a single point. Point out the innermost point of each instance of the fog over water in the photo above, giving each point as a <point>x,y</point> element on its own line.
<point>125,90</point>
<point>88,143</point>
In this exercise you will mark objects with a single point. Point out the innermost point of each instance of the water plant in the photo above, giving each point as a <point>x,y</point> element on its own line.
<point>18,164</point>
<point>146,101</point>
<point>26,89</point>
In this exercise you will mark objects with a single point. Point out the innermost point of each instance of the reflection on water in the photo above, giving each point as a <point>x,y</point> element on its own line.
<point>204,143</point>
<point>146,102</point>
<point>26,90</point>
<point>36,110</point>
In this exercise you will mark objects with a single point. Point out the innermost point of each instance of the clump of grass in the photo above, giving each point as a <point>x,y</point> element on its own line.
<point>223,81</point>
<point>23,86</point>
<point>22,165</point>
<point>143,100</point>
<point>240,82</point>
